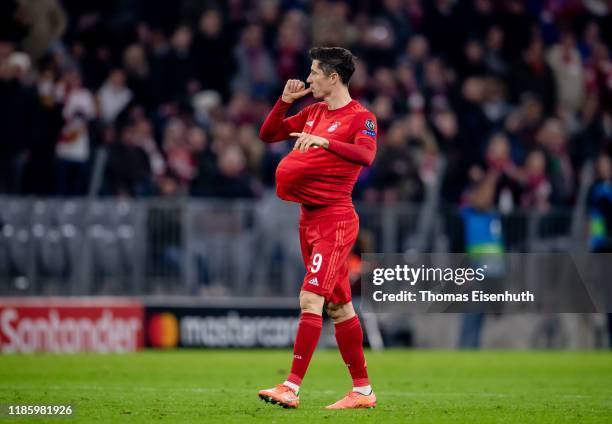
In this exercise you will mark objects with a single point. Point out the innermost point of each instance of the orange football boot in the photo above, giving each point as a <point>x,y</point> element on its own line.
<point>354,400</point>
<point>281,395</point>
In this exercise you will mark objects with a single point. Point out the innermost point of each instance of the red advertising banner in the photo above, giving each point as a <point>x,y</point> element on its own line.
<point>73,325</point>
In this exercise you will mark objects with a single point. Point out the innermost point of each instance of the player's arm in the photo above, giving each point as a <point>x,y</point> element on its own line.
<point>276,127</point>
<point>361,152</point>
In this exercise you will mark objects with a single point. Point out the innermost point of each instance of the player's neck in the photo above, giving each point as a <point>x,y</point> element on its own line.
<point>337,100</point>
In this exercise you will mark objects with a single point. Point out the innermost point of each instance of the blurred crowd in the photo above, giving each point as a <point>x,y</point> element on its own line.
<point>156,98</point>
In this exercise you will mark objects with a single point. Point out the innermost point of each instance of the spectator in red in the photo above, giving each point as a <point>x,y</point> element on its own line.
<point>73,148</point>
<point>537,189</point>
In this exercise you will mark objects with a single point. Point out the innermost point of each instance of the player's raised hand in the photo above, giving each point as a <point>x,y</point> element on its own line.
<point>294,89</point>
<point>305,141</point>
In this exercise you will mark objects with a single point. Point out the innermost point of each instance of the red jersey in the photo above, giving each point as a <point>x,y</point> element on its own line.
<point>321,177</point>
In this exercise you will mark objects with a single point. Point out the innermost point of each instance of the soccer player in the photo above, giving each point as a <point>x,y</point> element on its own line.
<point>336,137</point>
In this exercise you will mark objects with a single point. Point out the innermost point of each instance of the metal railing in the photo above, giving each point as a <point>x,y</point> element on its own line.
<point>214,248</point>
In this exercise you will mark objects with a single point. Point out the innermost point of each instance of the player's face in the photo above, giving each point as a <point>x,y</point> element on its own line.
<point>319,82</point>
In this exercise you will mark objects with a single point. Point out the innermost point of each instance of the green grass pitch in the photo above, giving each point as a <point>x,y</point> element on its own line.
<point>221,386</point>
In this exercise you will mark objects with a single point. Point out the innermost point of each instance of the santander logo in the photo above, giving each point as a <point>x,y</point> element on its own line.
<point>68,330</point>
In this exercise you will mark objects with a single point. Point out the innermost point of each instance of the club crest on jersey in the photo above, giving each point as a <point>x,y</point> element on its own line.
<point>333,127</point>
<point>369,123</point>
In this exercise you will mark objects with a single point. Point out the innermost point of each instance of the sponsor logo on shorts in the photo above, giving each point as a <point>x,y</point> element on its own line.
<point>309,123</point>
<point>313,281</point>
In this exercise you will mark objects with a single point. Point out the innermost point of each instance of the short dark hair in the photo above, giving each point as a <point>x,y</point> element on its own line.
<point>334,59</point>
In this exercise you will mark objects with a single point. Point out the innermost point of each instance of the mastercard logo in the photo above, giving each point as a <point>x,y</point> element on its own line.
<point>163,330</point>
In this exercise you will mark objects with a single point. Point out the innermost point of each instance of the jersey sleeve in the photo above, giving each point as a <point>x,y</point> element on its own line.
<point>361,147</point>
<point>277,128</point>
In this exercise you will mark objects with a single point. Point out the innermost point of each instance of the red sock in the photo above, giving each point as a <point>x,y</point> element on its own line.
<point>350,342</point>
<point>308,334</point>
